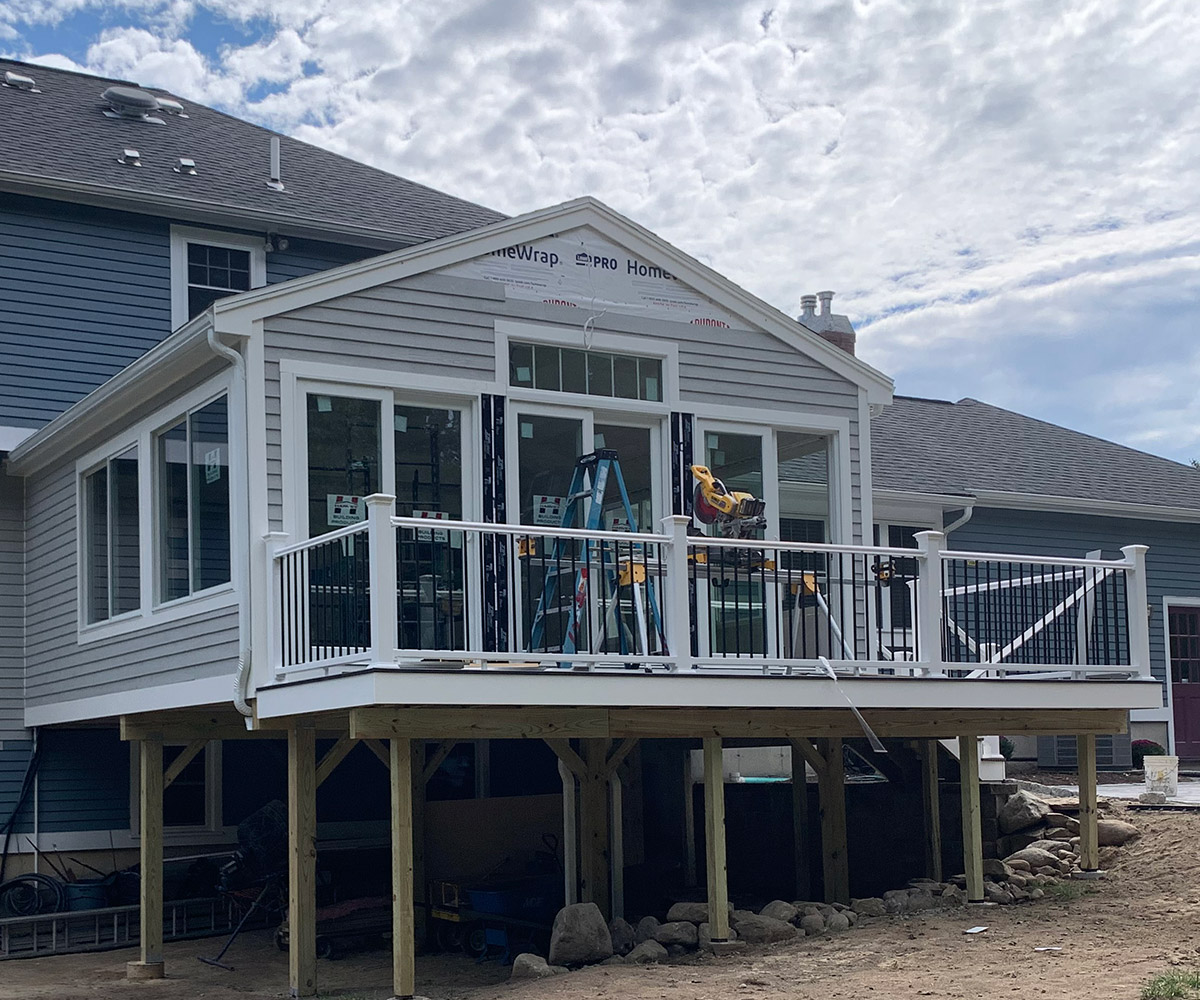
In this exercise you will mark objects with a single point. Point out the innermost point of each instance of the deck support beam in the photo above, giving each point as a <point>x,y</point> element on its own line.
<point>302,861</point>
<point>421,773</point>
<point>800,824</point>
<point>150,805</point>
<point>832,790</point>
<point>403,895</point>
<point>593,827</point>
<point>931,808</point>
<point>714,839</point>
<point>1089,836</point>
<point>972,831</point>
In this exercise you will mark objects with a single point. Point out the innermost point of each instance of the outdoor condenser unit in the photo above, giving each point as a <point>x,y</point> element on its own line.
<point>1060,752</point>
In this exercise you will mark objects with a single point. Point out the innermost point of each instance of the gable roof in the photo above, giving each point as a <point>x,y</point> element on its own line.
<point>973,449</point>
<point>59,144</point>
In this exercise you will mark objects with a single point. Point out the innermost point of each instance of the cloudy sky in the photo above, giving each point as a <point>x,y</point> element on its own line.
<point>1005,195</point>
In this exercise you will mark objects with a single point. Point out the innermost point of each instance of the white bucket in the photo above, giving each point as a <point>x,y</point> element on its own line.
<point>1162,775</point>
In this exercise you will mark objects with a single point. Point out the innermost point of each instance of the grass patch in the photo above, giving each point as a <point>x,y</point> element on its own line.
<point>1173,986</point>
<point>1068,890</point>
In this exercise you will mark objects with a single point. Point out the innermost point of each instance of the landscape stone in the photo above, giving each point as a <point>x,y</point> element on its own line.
<point>697,913</point>
<point>954,896</point>
<point>614,960</point>
<point>851,917</point>
<point>530,966</point>
<point>919,901</point>
<point>622,934</point>
<point>779,910</point>
<point>994,894</point>
<point>645,929</point>
<point>995,868</point>
<point>1022,811</point>
<point>580,936</point>
<point>678,950</point>
<point>677,932</point>
<point>757,929</point>
<point>737,916</point>
<point>1035,857</point>
<point>1116,832</point>
<point>869,906</point>
<point>837,922</point>
<point>1036,892</point>
<point>813,924</point>
<point>1018,865</point>
<point>704,935</point>
<point>647,953</point>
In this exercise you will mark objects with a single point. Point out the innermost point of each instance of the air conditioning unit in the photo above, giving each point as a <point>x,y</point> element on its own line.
<point>1061,752</point>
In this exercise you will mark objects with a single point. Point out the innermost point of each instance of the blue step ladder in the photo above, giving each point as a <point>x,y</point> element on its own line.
<point>620,573</point>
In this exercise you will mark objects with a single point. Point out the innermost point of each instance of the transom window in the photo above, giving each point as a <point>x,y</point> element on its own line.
<point>593,373</point>
<point>213,272</point>
<point>111,551</point>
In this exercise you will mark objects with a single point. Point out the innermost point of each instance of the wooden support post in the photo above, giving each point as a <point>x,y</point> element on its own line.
<point>403,925</point>
<point>932,808</point>
<point>832,789</point>
<point>593,824</point>
<point>800,824</point>
<point>689,823</point>
<point>714,839</point>
<point>302,861</point>
<point>421,773</point>
<point>570,843</point>
<point>1089,838</point>
<point>618,845</point>
<point>150,796</point>
<point>972,834</point>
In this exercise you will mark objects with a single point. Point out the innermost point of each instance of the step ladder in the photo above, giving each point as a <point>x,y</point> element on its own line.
<point>621,574</point>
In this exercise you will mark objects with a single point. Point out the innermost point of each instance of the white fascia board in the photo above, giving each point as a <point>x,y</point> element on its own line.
<point>359,276</point>
<point>186,694</point>
<point>1085,505</point>
<point>172,358</point>
<point>605,690</point>
<point>10,437</point>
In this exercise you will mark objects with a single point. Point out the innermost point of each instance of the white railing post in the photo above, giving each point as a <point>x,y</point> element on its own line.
<point>1138,605</point>
<point>928,591</point>
<point>678,620</point>
<point>381,546</point>
<point>274,541</point>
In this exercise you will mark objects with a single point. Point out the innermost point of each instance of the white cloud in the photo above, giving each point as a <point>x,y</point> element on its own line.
<point>978,180</point>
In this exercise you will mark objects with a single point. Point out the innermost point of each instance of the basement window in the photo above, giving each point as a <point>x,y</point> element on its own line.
<point>112,558</point>
<point>592,373</point>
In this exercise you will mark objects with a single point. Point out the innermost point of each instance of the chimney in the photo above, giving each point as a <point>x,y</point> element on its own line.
<point>836,329</point>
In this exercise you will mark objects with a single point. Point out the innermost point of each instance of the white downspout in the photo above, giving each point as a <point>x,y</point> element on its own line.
<point>968,510</point>
<point>241,680</point>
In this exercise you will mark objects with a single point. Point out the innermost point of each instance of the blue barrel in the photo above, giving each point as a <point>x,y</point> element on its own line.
<point>87,894</point>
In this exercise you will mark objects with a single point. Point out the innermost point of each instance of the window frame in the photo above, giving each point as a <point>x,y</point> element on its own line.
<point>118,448</point>
<point>212,826</point>
<point>181,236</point>
<point>152,612</point>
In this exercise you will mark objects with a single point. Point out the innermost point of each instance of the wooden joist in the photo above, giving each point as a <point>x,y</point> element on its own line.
<point>517,722</point>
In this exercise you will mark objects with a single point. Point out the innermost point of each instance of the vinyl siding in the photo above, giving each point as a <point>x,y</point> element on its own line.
<point>306,256</point>
<point>83,782</point>
<point>1172,563</point>
<point>14,760</point>
<point>445,326</point>
<point>12,609</point>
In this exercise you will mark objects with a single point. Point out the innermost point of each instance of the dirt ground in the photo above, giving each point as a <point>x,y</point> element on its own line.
<point>1143,918</point>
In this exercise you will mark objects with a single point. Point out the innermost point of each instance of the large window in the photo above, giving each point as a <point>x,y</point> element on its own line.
<point>595,373</point>
<point>112,579</point>
<point>193,492</point>
<point>344,461</point>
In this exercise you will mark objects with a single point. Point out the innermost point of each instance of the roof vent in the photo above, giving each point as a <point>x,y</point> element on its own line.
<point>276,182</point>
<point>186,166</point>
<point>19,82</point>
<point>131,158</point>
<point>131,102</point>
<point>171,107</point>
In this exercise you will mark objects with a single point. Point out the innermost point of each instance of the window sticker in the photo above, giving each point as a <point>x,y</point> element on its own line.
<point>548,510</point>
<point>343,509</point>
<point>212,465</point>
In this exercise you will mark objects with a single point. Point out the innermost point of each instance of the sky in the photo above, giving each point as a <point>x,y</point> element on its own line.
<point>1005,196</point>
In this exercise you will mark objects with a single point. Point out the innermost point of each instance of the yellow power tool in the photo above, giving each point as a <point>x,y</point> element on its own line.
<point>736,514</point>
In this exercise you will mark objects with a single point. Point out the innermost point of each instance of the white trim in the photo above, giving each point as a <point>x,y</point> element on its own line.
<point>77,841</point>
<point>181,236</point>
<point>618,690</point>
<point>184,694</point>
<point>213,783</point>
<point>383,378</point>
<point>1081,505</point>
<point>10,437</point>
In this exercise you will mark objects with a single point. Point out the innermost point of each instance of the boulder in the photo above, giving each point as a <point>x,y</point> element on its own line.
<point>622,933</point>
<point>1018,841</point>
<point>697,913</point>
<point>1036,892</point>
<point>645,929</point>
<point>704,935</point>
<point>994,894</point>
<point>1022,811</point>
<point>779,910</point>
<point>647,953</point>
<point>837,922</point>
<point>580,936</point>
<point>918,901</point>
<point>1019,866</point>
<point>737,916</point>
<point>676,932</point>
<point>530,966</point>
<point>1035,857</point>
<point>896,901</point>
<point>954,896</point>
<point>614,960</point>
<point>757,929</point>
<point>813,924</point>
<point>1116,832</point>
<point>996,869</point>
<point>1059,821</point>
<point>870,906</point>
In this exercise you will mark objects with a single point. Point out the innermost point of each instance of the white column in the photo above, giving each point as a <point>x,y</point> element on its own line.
<point>1138,604</point>
<point>381,545</point>
<point>928,591</point>
<point>678,620</point>
<point>570,837</point>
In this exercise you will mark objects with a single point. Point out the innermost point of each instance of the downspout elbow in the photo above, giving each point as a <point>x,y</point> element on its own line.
<point>968,510</point>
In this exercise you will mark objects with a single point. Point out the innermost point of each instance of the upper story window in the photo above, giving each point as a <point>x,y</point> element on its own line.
<point>207,265</point>
<point>594,373</point>
<point>112,559</point>
<point>193,496</point>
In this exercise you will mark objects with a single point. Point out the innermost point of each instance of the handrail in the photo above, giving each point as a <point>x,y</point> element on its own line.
<point>527,530</point>
<point>329,536</point>
<point>717,541</point>
<point>1040,560</point>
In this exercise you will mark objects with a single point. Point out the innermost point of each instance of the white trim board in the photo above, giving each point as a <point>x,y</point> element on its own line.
<point>181,236</point>
<point>185,694</point>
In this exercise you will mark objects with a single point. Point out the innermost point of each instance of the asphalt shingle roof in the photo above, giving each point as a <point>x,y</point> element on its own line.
<point>63,134</point>
<point>936,446</point>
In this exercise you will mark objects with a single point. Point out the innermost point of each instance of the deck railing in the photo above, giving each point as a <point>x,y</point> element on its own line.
<point>444,593</point>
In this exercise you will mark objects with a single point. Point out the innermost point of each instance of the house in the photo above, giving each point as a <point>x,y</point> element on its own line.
<point>372,515</point>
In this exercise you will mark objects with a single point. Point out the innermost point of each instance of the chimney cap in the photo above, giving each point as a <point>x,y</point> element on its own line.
<point>808,305</point>
<point>826,299</point>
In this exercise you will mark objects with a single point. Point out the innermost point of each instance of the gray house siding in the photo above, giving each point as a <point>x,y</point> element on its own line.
<point>1171,563</point>
<point>436,325</point>
<point>12,608</point>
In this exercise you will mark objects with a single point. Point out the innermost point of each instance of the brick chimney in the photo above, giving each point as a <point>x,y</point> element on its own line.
<point>826,324</point>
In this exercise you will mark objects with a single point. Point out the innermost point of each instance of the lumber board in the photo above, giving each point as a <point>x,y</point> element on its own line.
<point>302,861</point>
<point>714,839</point>
<point>429,768</point>
<point>832,789</point>
<point>333,757</point>
<point>931,808</point>
<point>1089,834</point>
<point>151,833</point>
<point>492,722</point>
<point>186,756</point>
<point>403,894</point>
<point>593,827</point>
<point>972,832</point>
<point>571,760</point>
<point>800,824</point>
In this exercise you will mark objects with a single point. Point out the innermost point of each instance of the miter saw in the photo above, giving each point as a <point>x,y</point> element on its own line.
<point>736,514</point>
